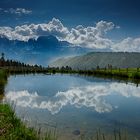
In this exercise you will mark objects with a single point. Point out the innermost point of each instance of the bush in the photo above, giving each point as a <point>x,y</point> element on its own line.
<point>136,75</point>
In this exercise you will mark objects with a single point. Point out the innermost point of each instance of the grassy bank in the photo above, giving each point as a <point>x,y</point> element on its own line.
<point>132,73</point>
<point>3,76</point>
<point>122,74</point>
<point>3,81</point>
<point>126,73</point>
<point>11,128</point>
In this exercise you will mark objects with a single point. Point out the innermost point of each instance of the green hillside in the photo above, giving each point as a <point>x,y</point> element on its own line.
<point>100,59</point>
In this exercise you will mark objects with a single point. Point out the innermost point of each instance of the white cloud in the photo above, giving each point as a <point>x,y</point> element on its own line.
<point>25,32</point>
<point>18,11</point>
<point>89,37</point>
<point>91,96</point>
<point>128,45</point>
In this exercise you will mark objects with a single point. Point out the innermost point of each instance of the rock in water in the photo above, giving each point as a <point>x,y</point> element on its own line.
<point>76,132</point>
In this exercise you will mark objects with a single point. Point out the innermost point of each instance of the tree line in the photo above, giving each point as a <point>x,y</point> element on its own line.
<point>17,66</point>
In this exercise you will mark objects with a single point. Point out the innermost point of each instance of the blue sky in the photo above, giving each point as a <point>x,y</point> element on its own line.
<point>122,13</point>
<point>125,13</point>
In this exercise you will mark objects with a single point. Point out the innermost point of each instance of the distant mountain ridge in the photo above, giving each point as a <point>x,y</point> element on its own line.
<point>42,40</point>
<point>39,51</point>
<point>101,59</point>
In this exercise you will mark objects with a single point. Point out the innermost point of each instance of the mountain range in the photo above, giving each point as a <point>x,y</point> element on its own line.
<point>41,51</point>
<point>100,59</point>
<point>48,50</point>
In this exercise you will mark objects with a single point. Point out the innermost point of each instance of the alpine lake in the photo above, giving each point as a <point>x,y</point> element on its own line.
<point>76,106</point>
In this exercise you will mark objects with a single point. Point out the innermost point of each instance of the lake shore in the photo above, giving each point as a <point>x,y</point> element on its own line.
<point>7,114</point>
<point>11,127</point>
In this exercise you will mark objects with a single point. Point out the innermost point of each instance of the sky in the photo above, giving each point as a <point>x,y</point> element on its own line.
<point>116,22</point>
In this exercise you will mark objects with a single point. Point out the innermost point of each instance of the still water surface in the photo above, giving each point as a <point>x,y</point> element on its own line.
<point>76,104</point>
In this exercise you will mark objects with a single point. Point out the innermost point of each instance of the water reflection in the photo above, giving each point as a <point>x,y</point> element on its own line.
<point>92,96</point>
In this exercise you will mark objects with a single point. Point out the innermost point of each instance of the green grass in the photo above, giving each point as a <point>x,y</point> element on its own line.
<point>3,81</point>
<point>11,128</point>
<point>129,73</point>
<point>132,73</point>
<point>3,76</point>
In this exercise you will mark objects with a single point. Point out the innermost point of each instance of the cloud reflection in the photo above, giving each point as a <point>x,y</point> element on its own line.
<point>91,96</point>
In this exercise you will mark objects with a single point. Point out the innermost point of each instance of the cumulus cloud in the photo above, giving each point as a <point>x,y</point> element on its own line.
<point>18,11</point>
<point>91,96</point>
<point>128,45</point>
<point>93,37</point>
<point>25,32</point>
